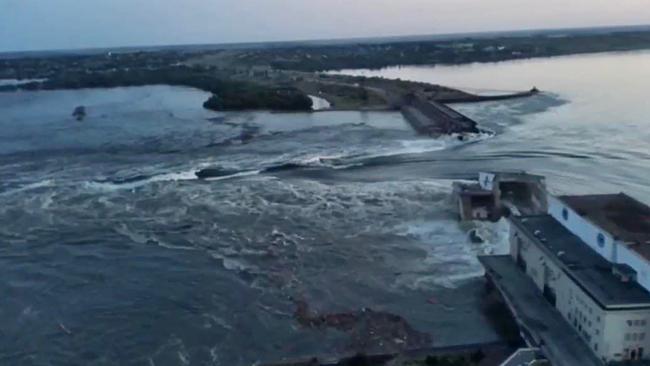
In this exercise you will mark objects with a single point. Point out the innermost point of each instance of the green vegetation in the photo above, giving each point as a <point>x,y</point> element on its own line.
<point>279,77</point>
<point>248,97</point>
<point>342,93</point>
<point>227,94</point>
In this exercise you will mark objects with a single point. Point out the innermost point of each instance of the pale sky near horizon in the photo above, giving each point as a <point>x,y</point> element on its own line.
<point>66,24</point>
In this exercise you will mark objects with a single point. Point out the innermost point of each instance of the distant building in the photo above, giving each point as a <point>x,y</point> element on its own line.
<point>590,257</point>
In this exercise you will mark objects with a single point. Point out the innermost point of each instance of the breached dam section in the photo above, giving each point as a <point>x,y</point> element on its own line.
<point>434,119</point>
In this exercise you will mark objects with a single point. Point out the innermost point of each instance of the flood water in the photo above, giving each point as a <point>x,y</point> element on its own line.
<point>589,129</point>
<point>113,252</point>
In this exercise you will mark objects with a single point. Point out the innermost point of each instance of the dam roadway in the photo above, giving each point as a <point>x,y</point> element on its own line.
<point>424,106</point>
<point>431,116</point>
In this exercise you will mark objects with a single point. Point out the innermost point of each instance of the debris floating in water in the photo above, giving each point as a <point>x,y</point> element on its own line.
<point>79,113</point>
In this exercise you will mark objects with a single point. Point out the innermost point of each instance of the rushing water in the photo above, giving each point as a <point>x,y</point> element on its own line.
<point>588,132</point>
<point>112,252</point>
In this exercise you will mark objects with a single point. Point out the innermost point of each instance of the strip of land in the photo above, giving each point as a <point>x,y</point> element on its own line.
<point>282,77</point>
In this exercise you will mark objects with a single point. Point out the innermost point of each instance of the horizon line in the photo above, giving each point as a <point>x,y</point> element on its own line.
<point>327,41</point>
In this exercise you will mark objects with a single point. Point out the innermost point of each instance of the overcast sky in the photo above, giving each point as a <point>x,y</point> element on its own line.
<point>62,24</point>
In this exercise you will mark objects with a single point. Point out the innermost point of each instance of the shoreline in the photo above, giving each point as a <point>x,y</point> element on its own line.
<point>423,105</point>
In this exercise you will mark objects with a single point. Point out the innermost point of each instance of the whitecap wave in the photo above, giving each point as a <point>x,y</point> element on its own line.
<point>229,263</point>
<point>166,177</point>
<point>235,175</point>
<point>140,238</point>
<point>451,257</point>
<point>29,187</point>
<point>336,161</point>
<point>343,158</point>
<point>423,146</point>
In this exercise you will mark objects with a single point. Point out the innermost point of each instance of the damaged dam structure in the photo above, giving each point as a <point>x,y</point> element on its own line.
<point>430,118</point>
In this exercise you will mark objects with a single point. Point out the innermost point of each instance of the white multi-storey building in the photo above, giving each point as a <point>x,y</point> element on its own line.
<point>590,257</point>
<point>616,226</point>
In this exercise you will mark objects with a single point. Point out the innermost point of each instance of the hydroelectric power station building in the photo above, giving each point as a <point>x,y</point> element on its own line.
<point>585,296</point>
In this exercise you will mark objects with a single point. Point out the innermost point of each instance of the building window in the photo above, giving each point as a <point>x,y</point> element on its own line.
<point>641,336</point>
<point>601,240</point>
<point>596,347</point>
<point>565,214</point>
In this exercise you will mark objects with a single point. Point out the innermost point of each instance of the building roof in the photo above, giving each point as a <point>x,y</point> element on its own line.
<point>625,218</point>
<point>587,268</point>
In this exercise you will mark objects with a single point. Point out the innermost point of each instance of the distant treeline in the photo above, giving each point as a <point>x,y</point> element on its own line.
<point>227,94</point>
<point>320,58</point>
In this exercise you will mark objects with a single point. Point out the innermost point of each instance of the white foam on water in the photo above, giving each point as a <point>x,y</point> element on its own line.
<point>165,245</point>
<point>233,176</point>
<point>167,177</point>
<point>139,238</point>
<point>319,103</point>
<point>29,187</point>
<point>496,236</point>
<point>426,145</point>
<point>451,256</point>
<point>318,159</point>
<point>214,355</point>
<point>145,239</point>
<point>342,156</point>
<point>47,200</point>
<point>218,321</point>
<point>5,82</point>
<point>133,236</point>
<point>184,357</point>
<point>332,161</point>
<point>230,263</point>
<point>418,146</point>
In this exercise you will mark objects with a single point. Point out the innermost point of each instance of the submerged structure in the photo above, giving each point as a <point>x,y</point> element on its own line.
<point>430,118</point>
<point>577,278</point>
